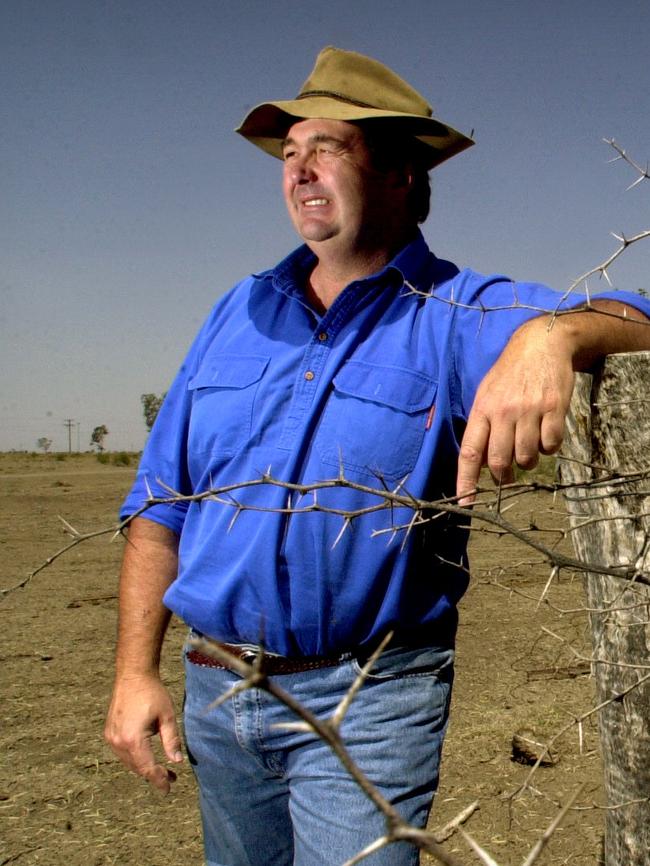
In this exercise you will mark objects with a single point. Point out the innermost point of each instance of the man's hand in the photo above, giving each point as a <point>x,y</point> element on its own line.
<point>140,709</point>
<point>519,408</point>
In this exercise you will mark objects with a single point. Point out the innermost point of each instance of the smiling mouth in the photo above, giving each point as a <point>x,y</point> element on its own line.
<point>315,202</point>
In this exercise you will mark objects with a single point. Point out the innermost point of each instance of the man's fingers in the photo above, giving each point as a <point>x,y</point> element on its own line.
<point>501,443</point>
<point>527,441</point>
<point>171,741</point>
<point>471,457</point>
<point>140,759</point>
<point>552,432</point>
<point>160,778</point>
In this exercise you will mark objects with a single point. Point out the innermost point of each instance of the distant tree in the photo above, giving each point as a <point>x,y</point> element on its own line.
<point>98,436</point>
<point>151,404</point>
<point>44,443</point>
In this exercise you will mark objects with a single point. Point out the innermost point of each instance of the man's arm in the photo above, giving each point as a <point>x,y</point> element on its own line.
<point>141,706</point>
<point>521,404</point>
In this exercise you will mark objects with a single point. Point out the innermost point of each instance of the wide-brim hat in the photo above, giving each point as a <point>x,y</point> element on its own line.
<point>344,85</point>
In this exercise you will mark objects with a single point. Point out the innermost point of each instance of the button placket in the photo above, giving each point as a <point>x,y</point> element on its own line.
<point>308,378</point>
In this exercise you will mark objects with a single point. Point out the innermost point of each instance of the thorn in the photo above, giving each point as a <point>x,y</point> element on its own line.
<point>554,573</point>
<point>235,516</point>
<point>640,178</point>
<point>348,697</point>
<point>347,522</point>
<point>294,726</point>
<point>235,690</point>
<point>410,526</point>
<point>167,488</point>
<point>69,528</point>
<point>483,855</point>
<point>400,485</point>
<point>499,491</point>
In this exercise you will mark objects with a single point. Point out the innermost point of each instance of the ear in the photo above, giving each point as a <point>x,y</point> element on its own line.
<point>401,177</point>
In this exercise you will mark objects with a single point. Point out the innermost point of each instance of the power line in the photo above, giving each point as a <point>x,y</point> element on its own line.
<point>69,423</point>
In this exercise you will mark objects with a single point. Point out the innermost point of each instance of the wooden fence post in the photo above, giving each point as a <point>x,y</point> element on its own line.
<point>608,432</point>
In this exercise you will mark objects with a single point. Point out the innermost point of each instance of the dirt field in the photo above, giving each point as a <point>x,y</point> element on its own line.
<point>64,799</point>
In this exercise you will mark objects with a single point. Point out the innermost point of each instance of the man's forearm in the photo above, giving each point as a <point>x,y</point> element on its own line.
<point>150,564</point>
<point>141,706</point>
<point>607,327</point>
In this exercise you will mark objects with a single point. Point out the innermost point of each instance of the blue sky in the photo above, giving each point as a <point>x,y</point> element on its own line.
<point>128,205</point>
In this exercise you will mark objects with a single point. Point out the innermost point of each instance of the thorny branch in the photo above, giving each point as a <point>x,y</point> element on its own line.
<point>253,676</point>
<point>603,269</point>
<point>644,173</point>
<point>397,830</point>
<point>488,513</point>
<point>577,722</point>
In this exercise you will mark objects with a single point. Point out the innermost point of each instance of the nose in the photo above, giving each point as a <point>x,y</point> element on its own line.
<point>300,168</point>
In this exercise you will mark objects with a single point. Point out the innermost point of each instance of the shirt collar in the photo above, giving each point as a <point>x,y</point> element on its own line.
<point>415,264</point>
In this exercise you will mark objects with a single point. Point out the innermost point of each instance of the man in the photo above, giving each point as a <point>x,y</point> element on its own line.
<point>362,354</point>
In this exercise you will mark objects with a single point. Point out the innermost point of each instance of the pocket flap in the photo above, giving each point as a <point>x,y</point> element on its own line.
<point>229,371</point>
<point>397,387</point>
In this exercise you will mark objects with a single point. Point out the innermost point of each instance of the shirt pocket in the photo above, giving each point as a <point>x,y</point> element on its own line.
<point>223,398</point>
<point>375,419</point>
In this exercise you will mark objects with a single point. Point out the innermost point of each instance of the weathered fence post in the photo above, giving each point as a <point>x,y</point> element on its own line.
<point>608,443</point>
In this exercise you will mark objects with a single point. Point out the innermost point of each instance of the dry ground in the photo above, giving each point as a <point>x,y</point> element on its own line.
<point>65,800</point>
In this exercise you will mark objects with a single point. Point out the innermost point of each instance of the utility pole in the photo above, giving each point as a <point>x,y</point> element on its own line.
<point>69,423</point>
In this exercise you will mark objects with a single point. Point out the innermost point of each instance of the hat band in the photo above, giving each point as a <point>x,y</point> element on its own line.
<point>331,94</point>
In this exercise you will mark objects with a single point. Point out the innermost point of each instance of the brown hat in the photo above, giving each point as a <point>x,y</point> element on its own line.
<point>348,86</point>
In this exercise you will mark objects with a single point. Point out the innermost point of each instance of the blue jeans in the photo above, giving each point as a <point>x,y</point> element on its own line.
<point>272,797</point>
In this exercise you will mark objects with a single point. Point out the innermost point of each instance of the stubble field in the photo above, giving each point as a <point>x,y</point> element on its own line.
<point>66,801</point>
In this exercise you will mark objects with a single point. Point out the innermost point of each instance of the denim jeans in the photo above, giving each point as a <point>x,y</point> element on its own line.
<point>273,797</point>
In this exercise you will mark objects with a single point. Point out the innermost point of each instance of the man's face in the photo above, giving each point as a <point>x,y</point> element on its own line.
<point>331,189</point>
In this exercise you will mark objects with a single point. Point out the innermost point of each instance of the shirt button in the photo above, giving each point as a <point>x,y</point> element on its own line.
<point>309,375</point>
<point>322,336</point>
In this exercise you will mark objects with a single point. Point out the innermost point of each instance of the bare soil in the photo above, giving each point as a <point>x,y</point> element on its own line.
<point>66,801</point>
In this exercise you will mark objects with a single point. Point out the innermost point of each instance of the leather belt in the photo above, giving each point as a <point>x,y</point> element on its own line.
<point>273,664</point>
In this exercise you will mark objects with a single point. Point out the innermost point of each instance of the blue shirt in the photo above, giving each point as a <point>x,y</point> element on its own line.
<point>378,389</point>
